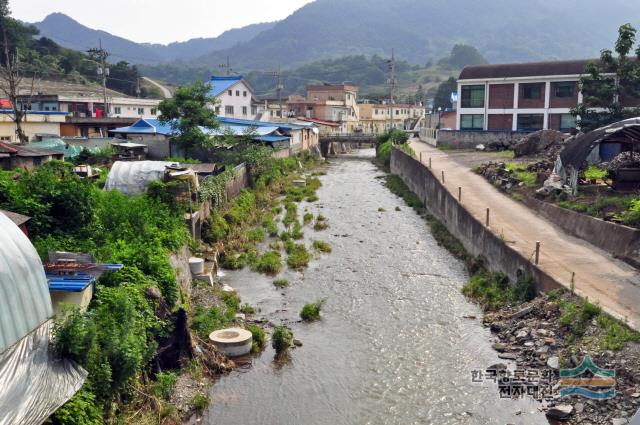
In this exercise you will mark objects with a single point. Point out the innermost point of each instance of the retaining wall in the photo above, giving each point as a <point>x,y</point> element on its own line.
<point>468,139</point>
<point>620,241</point>
<point>497,255</point>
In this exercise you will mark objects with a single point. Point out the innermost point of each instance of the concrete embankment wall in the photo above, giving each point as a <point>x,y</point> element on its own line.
<point>497,255</point>
<point>620,241</point>
<point>468,139</point>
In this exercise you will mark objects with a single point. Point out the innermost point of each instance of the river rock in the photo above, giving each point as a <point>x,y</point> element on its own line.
<point>497,366</point>
<point>507,356</point>
<point>553,362</point>
<point>561,411</point>
<point>297,343</point>
<point>498,346</point>
<point>521,335</point>
<point>520,314</point>
<point>579,407</point>
<point>619,421</point>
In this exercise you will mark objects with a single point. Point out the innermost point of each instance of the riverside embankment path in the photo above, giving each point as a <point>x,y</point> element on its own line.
<point>612,283</point>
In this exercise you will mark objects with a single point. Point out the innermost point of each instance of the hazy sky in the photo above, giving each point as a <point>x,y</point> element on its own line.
<point>160,21</point>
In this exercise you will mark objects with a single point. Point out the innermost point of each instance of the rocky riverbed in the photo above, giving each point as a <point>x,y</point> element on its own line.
<point>557,332</point>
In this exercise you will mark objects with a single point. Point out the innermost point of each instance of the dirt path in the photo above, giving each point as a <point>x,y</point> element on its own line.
<point>612,283</point>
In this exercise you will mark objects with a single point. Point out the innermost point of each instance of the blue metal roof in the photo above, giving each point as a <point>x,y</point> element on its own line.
<point>237,121</point>
<point>146,126</point>
<point>273,139</point>
<point>221,84</point>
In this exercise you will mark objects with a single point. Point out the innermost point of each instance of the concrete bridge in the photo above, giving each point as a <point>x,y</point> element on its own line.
<point>335,144</point>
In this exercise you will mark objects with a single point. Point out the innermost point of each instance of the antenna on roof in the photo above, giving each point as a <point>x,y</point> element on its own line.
<point>227,66</point>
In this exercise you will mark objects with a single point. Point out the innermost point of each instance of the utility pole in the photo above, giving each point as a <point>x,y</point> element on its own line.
<point>227,66</point>
<point>392,85</point>
<point>101,56</point>
<point>279,88</point>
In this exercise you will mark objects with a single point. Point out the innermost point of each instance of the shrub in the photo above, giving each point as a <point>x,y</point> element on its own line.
<point>269,263</point>
<point>311,312</point>
<point>81,409</point>
<point>595,173</point>
<point>281,283</point>
<point>281,339</point>
<point>321,246</point>
<point>297,232</point>
<point>493,290</point>
<point>247,309</point>
<point>204,321</point>
<point>320,225</point>
<point>269,224</point>
<point>256,235</point>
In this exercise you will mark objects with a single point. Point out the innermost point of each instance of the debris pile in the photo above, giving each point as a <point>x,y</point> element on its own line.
<point>546,143</point>
<point>507,179</point>
<point>533,337</point>
<point>623,160</point>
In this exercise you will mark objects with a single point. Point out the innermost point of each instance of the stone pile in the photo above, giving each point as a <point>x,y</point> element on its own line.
<point>533,338</point>
<point>506,180</point>
<point>547,143</point>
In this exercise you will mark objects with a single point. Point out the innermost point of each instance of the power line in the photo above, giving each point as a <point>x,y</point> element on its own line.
<point>102,55</point>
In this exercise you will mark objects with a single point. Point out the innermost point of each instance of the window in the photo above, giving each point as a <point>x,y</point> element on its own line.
<point>473,96</point>
<point>254,110</point>
<point>230,92</point>
<point>228,110</point>
<point>154,111</point>
<point>530,122</point>
<point>117,110</point>
<point>397,112</point>
<point>472,122</point>
<point>244,93</point>
<point>565,89</point>
<point>238,93</point>
<point>531,91</point>
<point>140,111</point>
<point>244,110</point>
<point>217,109</point>
<point>567,122</point>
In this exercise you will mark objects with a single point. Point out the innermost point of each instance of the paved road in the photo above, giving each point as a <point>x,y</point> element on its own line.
<point>165,91</point>
<point>612,283</point>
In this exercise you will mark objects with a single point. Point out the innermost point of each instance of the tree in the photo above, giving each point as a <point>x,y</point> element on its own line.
<point>12,37</point>
<point>443,95</point>
<point>608,82</point>
<point>188,112</point>
<point>463,55</point>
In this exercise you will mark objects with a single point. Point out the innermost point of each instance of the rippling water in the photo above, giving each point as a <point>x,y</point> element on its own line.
<point>392,347</point>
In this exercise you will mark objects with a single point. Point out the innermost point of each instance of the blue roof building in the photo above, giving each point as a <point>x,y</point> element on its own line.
<point>234,97</point>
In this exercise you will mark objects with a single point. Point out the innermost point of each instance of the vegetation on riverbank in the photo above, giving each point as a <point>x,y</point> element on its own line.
<point>311,312</point>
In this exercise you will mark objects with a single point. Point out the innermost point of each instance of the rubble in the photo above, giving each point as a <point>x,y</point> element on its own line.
<point>531,336</point>
<point>507,180</point>
<point>547,143</point>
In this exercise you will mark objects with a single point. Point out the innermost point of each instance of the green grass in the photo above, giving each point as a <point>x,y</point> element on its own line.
<point>269,224</point>
<point>247,309</point>
<point>529,178</point>
<point>595,173</point>
<point>311,312</point>
<point>616,334</point>
<point>164,385</point>
<point>259,338</point>
<point>298,257</point>
<point>308,218</point>
<point>493,290</point>
<point>269,263</point>
<point>281,283</point>
<point>296,232</point>
<point>320,226</point>
<point>322,246</point>
<point>200,402</point>
<point>576,316</point>
<point>256,235</point>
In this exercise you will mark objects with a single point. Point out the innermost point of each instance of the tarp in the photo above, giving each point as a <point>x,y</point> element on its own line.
<point>33,385</point>
<point>59,145</point>
<point>132,178</point>
<point>25,303</point>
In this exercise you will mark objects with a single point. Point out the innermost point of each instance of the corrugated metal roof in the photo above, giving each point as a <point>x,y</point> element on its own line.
<point>18,219</point>
<point>146,126</point>
<point>273,139</point>
<point>25,303</point>
<point>221,84</point>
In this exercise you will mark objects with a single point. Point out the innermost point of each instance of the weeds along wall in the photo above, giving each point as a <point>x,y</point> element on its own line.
<point>476,238</point>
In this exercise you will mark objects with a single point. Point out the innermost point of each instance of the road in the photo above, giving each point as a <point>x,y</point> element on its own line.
<point>166,93</point>
<point>599,277</point>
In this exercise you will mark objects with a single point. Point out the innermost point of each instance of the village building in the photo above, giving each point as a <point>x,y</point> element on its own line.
<point>234,97</point>
<point>335,103</point>
<point>36,125</point>
<point>14,156</point>
<point>376,118</point>
<point>520,97</point>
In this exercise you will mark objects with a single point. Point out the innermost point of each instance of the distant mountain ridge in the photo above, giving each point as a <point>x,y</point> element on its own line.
<point>421,31</point>
<point>71,34</point>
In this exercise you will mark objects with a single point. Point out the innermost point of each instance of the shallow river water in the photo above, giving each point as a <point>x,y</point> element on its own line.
<point>393,346</point>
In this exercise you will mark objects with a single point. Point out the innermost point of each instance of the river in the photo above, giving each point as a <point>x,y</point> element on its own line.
<point>393,346</point>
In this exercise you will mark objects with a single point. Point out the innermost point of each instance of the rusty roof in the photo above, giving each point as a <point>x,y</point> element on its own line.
<point>527,69</point>
<point>18,219</point>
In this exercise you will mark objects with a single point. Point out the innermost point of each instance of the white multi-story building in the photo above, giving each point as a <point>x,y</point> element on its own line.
<point>524,96</point>
<point>234,98</point>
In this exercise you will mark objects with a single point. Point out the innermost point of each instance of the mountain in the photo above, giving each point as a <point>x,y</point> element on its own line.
<point>426,30</point>
<point>71,34</point>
